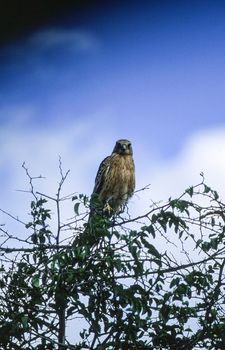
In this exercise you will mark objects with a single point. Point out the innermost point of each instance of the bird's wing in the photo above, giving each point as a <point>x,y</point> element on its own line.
<point>101,174</point>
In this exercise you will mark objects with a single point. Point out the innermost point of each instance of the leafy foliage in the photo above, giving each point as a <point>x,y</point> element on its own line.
<point>151,282</point>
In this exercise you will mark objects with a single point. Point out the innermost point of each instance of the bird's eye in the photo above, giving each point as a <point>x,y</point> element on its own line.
<point>129,145</point>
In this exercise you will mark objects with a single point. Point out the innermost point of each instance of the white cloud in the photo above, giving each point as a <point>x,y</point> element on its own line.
<point>78,143</point>
<point>203,152</point>
<point>82,147</point>
<point>73,39</point>
<point>53,41</point>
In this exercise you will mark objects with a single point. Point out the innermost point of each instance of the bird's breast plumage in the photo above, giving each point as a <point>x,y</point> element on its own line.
<point>119,180</point>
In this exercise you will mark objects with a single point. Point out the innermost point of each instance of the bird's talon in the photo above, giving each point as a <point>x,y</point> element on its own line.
<point>108,209</point>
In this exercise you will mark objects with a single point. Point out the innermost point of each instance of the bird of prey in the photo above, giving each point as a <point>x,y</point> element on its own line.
<point>114,185</point>
<point>115,179</point>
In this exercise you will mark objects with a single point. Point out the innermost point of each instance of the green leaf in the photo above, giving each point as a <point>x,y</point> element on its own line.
<point>35,281</point>
<point>149,229</point>
<point>151,249</point>
<point>34,238</point>
<point>76,208</point>
<point>24,320</point>
<point>29,224</point>
<point>190,191</point>
<point>207,189</point>
<point>216,196</point>
<point>175,282</point>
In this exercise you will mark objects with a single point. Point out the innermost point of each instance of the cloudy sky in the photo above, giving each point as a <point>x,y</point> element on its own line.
<point>149,71</point>
<point>152,72</point>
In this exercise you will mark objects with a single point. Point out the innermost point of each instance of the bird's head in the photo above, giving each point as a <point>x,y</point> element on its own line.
<point>123,147</point>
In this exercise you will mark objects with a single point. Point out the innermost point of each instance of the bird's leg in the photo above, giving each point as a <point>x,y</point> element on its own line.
<point>122,207</point>
<point>107,208</point>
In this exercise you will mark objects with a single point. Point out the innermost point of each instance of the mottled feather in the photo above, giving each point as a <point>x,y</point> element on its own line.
<point>115,179</point>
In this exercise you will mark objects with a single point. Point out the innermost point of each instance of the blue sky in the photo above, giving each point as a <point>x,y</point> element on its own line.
<point>151,71</point>
<point>161,67</point>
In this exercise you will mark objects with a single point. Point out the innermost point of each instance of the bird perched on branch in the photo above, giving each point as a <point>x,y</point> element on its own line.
<point>115,179</point>
<point>114,185</point>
